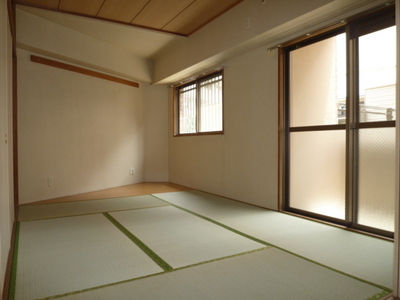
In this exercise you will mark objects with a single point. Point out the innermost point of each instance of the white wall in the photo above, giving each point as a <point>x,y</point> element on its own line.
<point>44,37</point>
<point>226,35</point>
<point>83,131</point>
<point>156,133</point>
<point>271,23</point>
<point>243,162</point>
<point>6,177</point>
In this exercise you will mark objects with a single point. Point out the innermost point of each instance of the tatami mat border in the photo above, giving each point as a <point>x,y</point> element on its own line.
<point>386,289</point>
<point>157,259</point>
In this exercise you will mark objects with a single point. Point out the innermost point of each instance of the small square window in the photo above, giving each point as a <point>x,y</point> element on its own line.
<point>199,106</point>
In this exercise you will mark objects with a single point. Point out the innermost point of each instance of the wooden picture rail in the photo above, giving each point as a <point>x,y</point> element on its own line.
<point>80,70</point>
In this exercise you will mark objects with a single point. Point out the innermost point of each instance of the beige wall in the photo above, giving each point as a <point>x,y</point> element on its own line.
<point>242,163</point>
<point>44,37</point>
<point>83,131</point>
<point>156,133</point>
<point>229,34</point>
<point>6,177</point>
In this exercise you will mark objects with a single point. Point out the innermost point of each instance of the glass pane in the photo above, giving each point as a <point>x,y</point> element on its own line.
<point>187,109</point>
<point>318,83</point>
<point>317,172</point>
<point>211,104</point>
<point>377,70</point>
<point>376,182</point>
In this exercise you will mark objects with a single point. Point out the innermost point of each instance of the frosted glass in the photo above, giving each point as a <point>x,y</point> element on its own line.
<point>318,83</point>
<point>317,172</point>
<point>376,184</point>
<point>377,69</point>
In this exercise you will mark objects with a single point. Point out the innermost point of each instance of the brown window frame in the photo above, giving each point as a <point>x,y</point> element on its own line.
<point>197,81</point>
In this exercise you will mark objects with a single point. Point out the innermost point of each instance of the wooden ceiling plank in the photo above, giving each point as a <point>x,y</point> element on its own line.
<point>121,10</point>
<point>53,4</point>
<point>198,15</point>
<point>178,17</point>
<point>84,7</point>
<point>160,12</point>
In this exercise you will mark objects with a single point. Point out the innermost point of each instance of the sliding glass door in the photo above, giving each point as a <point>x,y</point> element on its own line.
<point>375,126</point>
<point>317,140</point>
<point>340,125</point>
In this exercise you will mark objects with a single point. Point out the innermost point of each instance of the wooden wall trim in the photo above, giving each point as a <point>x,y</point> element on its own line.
<point>8,274</point>
<point>281,130</point>
<point>10,261</point>
<point>72,68</point>
<point>396,265</point>
<point>12,21</point>
<point>11,18</point>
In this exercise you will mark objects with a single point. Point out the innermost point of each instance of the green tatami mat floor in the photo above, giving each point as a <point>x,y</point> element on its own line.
<point>45,211</point>
<point>266,274</point>
<point>57,256</point>
<point>183,239</point>
<point>190,245</point>
<point>358,255</point>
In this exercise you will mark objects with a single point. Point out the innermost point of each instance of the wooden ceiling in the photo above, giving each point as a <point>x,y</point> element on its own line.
<point>182,17</point>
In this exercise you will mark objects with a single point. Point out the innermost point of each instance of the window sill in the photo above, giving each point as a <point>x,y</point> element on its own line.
<point>199,133</point>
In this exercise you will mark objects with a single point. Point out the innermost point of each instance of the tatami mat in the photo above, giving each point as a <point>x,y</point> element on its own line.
<point>211,206</point>
<point>181,238</point>
<point>200,247</point>
<point>266,274</point>
<point>61,255</point>
<point>364,257</point>
<point>44,211</point>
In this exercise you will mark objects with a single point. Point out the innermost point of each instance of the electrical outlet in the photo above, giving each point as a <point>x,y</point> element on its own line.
<point>132,171</point>
<point>248,22</point>
<point>50,181</point>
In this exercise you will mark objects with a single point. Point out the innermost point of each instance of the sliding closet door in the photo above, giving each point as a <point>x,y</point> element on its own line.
<point>340,125</point>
